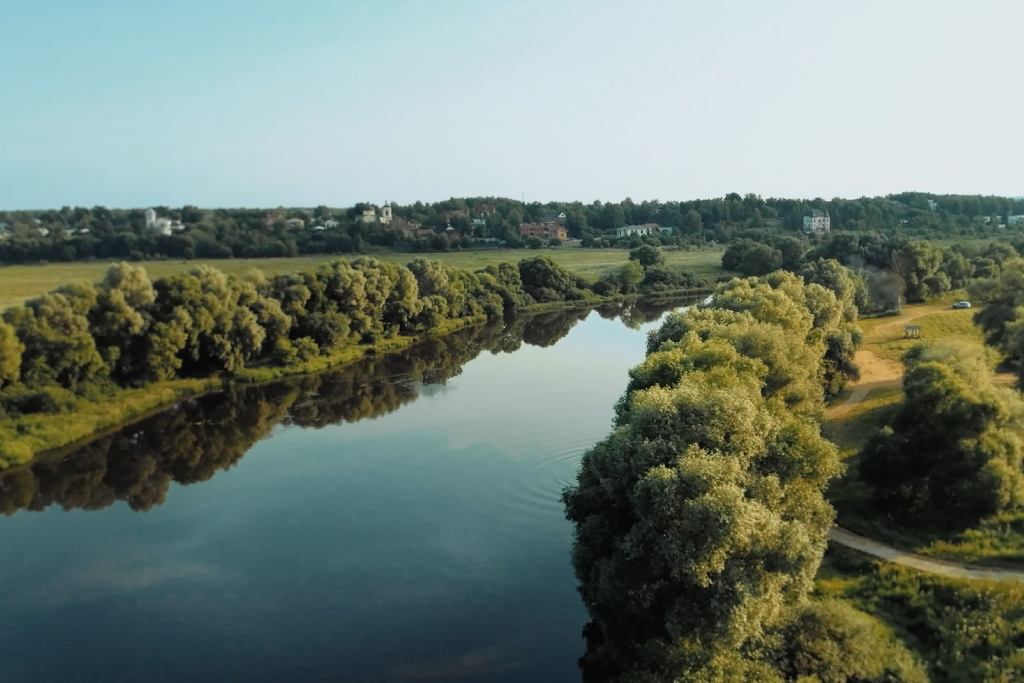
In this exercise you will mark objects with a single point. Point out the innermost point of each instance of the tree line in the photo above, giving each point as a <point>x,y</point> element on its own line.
<point>193,441</point>
<point>701,520</point>
<point>80,233</point>
<point>888,269</point>
<point>83,342</point>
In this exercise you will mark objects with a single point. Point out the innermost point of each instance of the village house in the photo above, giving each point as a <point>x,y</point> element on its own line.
<point>295,224</point>
<point>409,229</point>
<point>638,230</point>
<point>545,230</point>
<point>1014,220</point>
<point>330,223</point>
<point>818,222</point>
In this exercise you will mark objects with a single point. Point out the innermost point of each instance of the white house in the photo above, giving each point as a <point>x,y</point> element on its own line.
<point>630,230</point>
<point>818,222</point>
<point>330,223</point>
<point>1014,220</point>
<point>166,226</point>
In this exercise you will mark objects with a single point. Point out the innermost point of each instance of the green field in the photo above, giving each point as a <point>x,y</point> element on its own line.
<point>18,283</point>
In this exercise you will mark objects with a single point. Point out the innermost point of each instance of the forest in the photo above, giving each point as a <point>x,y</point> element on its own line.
<point>80,233</point>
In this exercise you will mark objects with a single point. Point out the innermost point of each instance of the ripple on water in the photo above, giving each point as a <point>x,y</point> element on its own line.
<point>535,495</point>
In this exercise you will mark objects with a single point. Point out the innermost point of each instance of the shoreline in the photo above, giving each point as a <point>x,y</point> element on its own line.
<point>41,436</point>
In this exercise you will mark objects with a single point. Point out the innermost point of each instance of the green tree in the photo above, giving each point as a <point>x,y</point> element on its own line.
<point>11,349</point>
<point>702,517</point>
<point>952,452</point>
<point>647,256</point>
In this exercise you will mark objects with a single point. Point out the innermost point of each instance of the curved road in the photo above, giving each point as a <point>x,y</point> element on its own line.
<point>879,374</point>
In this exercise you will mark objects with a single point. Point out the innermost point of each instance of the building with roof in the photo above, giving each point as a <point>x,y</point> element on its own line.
<point>638,230</point>
<point>817,223</point>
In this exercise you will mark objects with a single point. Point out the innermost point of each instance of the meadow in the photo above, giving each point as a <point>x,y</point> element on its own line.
<point>18,283</point>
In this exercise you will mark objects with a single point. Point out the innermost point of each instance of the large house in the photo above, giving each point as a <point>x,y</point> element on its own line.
<point>545,230</point>
<point>818,222</point>
<point>295,224</point>
<point>410,229</point>
<point>641,230</point>
<point>483,210</point>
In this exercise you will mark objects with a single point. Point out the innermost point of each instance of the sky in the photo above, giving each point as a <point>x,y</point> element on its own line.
<point>223,103</point>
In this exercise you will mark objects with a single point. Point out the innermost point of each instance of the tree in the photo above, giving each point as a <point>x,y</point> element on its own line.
<point>647,256</point>
<point>692,223</point>
<point>952,452</point>
<point>545,280</point>
<point>11,349</point>
<point>831,642</point>
<point>702,516</point>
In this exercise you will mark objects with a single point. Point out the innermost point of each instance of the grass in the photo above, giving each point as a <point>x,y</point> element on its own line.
<point>18,283</point>
<point>885,336</point>
<point>967,631</point>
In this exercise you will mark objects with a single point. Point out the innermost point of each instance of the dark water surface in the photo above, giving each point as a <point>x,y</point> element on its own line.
<point>398,520</point>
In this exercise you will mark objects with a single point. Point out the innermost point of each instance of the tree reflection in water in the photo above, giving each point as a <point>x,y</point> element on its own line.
<point>195,439</point>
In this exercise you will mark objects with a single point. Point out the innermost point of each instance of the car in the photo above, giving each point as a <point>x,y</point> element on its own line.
<point>962,304</point>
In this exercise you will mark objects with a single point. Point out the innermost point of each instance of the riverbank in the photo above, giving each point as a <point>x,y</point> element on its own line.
<point>27,437</point>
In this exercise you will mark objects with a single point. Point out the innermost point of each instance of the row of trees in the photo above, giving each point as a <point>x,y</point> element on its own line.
<point>99,232</point>
<point>888,268</point>
<point>128,331</point>
<point>700,521</point>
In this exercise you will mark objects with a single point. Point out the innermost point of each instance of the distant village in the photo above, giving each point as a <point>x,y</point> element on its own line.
<point>551,230</point>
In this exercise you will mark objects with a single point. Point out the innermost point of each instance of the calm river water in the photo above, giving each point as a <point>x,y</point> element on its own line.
<point>397,520</point>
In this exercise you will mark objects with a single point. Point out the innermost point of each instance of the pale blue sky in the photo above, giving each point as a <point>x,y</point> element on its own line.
<point>246,102</point>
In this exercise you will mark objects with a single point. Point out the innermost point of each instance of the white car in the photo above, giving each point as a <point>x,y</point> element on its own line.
<point>962,304</point>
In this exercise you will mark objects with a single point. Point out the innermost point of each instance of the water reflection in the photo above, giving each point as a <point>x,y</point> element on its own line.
<point>198,438</point>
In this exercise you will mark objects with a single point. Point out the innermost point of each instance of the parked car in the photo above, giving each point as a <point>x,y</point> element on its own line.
<point>962,304</point>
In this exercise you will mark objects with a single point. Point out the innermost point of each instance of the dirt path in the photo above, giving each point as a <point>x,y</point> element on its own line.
<point>880,373</point>
<point>920,562</point>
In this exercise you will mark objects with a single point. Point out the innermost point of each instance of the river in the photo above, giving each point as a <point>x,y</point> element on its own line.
<point>395,520</point>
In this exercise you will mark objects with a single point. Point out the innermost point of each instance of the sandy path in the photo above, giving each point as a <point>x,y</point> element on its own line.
<point>879,373</point>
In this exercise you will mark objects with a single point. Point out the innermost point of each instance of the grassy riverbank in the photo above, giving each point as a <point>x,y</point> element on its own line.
<point>19,283</point>
<point>23,438</point>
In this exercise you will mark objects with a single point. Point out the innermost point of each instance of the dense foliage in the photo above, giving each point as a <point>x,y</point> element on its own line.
<point>890,269</point>
<point>82,342</point>
<point>953,450</point>
<point>701,521</point>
